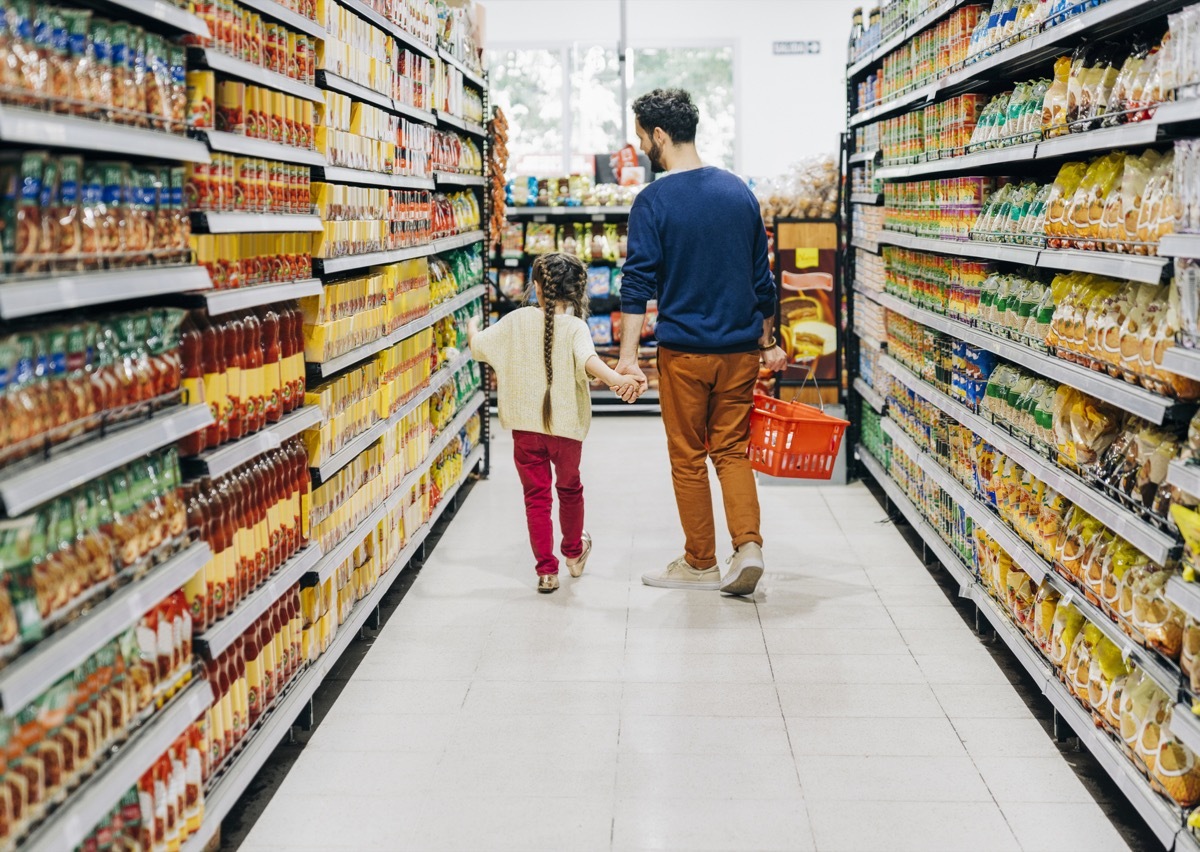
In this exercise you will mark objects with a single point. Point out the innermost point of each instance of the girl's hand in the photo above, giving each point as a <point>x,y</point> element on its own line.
<point>627,388</point>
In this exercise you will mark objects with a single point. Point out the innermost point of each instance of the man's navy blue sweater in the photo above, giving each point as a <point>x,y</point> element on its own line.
<point>697,244</point>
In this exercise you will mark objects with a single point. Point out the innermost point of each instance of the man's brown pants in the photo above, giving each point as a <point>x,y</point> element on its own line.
<point>706,404</point>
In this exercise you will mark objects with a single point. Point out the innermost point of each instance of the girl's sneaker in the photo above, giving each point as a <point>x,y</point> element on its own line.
<point>576,565</point>
<point>547,583</point>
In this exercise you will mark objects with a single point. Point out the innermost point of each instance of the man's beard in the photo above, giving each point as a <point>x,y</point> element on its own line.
<point>655,156</point>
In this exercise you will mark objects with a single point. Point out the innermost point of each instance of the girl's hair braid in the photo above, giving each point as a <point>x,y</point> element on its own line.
<point>563,278</point>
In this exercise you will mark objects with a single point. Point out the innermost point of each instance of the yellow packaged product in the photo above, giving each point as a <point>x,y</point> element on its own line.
<point>1061,192</point>
<point>1176,767</point>
<point>1128,586</point>
<point>1068,622</point>
<point>1044,606</point>
<point>1140,691</point>
<point>1189,653</point>
<point>1054,105</point>
<point>1155,617</point>
<point>1106,680</point>
<point>1020,594</point>
<point>1079,661</point>
<point>1093,563</point>
<point>1154,724</point>
<point>1051,518</point>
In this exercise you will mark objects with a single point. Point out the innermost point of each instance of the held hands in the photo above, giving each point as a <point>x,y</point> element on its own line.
<point>633,382</point>
<point>774,359</point>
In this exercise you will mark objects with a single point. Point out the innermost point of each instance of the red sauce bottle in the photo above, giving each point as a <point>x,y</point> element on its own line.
<point>252,347</point>
<point>193,382</point>
<point>232,341</point>
<point>272,373</point>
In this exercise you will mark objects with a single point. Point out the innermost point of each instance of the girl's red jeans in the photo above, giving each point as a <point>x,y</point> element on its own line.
<point>537,456</point>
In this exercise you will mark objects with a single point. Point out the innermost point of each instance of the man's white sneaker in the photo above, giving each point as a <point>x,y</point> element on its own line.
<point>680,575</point>
<point>746,568</point>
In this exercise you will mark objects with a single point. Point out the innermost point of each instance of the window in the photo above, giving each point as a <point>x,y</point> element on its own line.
<point>706,72</point>
<point>529,85</point>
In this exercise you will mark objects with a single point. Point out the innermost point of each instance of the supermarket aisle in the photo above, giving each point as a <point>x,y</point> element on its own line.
<point>847,707</point>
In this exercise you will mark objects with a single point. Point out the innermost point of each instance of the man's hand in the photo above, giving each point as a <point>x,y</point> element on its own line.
<point>774,359</point>
<point>631,392</point>
<point>628,389</point>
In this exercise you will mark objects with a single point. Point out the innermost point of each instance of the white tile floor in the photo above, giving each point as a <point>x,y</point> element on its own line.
<point>847,707</point>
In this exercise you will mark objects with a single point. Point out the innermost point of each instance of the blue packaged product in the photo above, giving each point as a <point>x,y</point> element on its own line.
<point>601,328</point>
<point>599,282</point>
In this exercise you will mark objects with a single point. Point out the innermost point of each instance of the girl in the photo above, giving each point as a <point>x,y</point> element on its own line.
<point>548,410</point>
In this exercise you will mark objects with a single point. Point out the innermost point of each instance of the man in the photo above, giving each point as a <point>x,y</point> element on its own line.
<point>697,243</point>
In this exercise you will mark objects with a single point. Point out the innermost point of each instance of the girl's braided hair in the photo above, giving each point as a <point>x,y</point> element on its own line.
<point>564,281</point>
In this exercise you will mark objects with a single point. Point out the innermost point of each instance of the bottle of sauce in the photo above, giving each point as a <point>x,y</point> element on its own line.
<point>269,663</point>
<point>253,349</point>
<point>305,486</point>
<point>193,382</point>
<point>213,376</point>
<point>232,341</point>
<point>272,373</point>
<point>195,591</point>
<point>237,662</point>
<point>254,679</point>
<point>262,534</point>
<point>281,652</point>
<point>287,349</point>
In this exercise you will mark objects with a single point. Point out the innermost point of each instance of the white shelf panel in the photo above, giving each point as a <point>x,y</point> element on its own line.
<point>74,820</point>
<point>256,223</point>
<point>217,638</point>
<point>349,263</point>
<point>35,128</point>
<point>870,396</point>
<point>451,179</point>
<point>34,485</point>
<point>212,58</point>
<point>1184,595</point>
<point>39,668</point>
<point>864,157</point>
<point>461,124</point>
<point>1148,270</point>
<point>234,143</point>
<point>415,113</point>
<point>337,83</point>
<point>962,248</point>
<point>472,77</point>
<point>869,198</point>
<point>36,296</point>
<point>947,165</point>
<point>1105,139</point>
<point>1129,397</point>
<point>339,174</point>
<point>222,460</point>
<point>1179,245</point>
<point>1186,726</point>
<point>1155,543</point>
<point>1185,476</point>
<point>864,245</point>
<point>1182,361</point>
<point>286,16</point>
<point>923,95</point>
<point>219,302</point>
<point>460,241</point>
<point>166,13</point>
<point>567,212</point>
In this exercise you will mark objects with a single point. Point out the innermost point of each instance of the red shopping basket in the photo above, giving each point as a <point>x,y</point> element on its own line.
<point>791,439</point>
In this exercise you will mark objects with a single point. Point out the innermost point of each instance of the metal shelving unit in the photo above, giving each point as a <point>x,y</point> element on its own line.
<point>1129,397</point>
<point>339,174</point>
<point>221,460</point>
<point>36,296</point>
<point>247,146</point>
<point>568,212</point>
<point>868,198</point>
<point>452,179</point>
<point>45,480</point>
<point>287,17</point>
<point>166,15</point>
<point>256,223</point>
<point>470,76</point>
<point>220,302</point>
<point>42,665</point>
<point>1152,541</point>
<point>73,820</point>
<point>209,57</point>
<point>52,130</point>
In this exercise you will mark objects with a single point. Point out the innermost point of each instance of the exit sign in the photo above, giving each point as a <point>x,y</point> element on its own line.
<point>795,48</point>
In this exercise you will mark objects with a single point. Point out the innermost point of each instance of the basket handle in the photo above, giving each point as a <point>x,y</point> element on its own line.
<point>812,376</point>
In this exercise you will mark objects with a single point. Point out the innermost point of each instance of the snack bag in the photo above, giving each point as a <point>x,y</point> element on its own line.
<point>1054,109</point>
<point>1106,680</point>
<point>1079,661</point>
<point>1155,617</point>
<point>1175,766</point>
<point>1067,624</point>
<point>1044,607</point>
<point>1140,692</point>
<point>598,281</point>
<point>1189,654</point>
<point>601,328</point>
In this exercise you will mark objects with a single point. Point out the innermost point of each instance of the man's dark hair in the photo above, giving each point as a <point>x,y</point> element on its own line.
<point>670,109</point>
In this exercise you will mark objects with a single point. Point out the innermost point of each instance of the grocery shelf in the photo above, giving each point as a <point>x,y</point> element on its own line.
<point>967,162</point>
<point>1182,361</point>
<point>908,31</point>
<point>452,179</point>
<point>256,223</point>
<point>867,340</point>
<point>415,113</point>
<point>220,461</point>
<point>865,245</point>
<point>1157,544</point>
<point>405,38</point>
<point>567,212</point>
<point>215,60</point>
<point>351,451</point>
<point>457,242</point>
<point>1127,396</point>
<point>351,262</point>
<point>46,480</point>
<point>70,824</point>
<point>233,779</point>
<point>361,353</point>
<point>337,83</point>
<point>916,520</point>
<point>52,130</point>
<point>166,14</point>
<point>220,636</point>
<point>219,302</point>
<point>470,76</point>
<point>40,667</point>
<point>872,198</point>
<point>340,174</point>
<point>864,157</point>
<point>1184,595</point>
<point>1184,476</point>
<point>1162,818</point>
<point>1148,270</point>
<point>248,146</point>
<point>870,396</point>
<point>447,120</point>
<point>34,296</point>
<point>924,95</point>
<point>1105,139</point>
<point>287,17</point>
<point>1179,245</point>
<point>961,248</point>
<point>1186,726</point>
